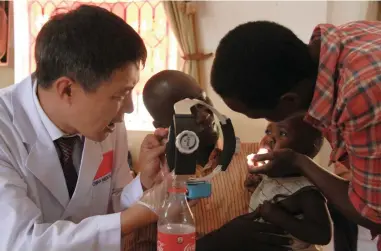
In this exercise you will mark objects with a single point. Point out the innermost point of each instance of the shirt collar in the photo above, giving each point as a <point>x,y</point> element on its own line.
<point>323,101</point>
<point>53,131</point>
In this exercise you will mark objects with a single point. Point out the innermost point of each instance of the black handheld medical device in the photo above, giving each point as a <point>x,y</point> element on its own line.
<point>183,145</point>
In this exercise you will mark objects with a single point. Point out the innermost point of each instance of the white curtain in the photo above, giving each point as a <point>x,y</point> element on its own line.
<point>21,40</point>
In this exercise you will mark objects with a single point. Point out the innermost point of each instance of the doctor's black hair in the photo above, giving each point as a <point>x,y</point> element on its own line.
<point>86,44</point>
<point>257,62</point>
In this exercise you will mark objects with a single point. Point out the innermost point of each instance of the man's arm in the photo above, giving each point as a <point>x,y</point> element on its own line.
<point>335,189</point>
<point>315,227</point>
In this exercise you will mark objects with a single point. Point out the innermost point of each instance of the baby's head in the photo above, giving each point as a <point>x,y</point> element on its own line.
<point>295,134</point>
<point>292,133</point>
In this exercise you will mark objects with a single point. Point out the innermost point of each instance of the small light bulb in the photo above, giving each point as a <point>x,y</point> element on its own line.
<point>250,157</point>
<point>262,151</point>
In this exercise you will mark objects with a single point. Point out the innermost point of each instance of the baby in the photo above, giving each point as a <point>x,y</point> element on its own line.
<point>304,214</point>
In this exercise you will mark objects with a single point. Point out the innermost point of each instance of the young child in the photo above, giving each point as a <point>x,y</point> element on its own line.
<point>302,209</point>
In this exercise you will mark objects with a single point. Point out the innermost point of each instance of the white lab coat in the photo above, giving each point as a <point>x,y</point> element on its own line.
<point>35,210</point>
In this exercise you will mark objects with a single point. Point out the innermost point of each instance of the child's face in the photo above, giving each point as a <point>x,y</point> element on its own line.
<point>279,135</point>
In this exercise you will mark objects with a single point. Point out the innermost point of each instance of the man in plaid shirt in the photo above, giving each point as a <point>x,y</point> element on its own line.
<point>261,69</point>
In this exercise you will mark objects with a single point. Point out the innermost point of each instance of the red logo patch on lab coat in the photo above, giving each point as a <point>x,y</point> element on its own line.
<point>104,169</point>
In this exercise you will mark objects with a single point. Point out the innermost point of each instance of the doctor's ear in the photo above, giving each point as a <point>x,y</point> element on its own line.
<point>64,88</point>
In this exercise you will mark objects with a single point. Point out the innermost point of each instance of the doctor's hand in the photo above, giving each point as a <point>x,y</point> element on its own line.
<point>154,198</point>
<point>146,210</point>
<point>152,156</point>
<point>282,163</point>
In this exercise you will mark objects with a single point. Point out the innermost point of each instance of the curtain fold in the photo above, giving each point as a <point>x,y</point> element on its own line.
<point>3,32</point>
<point>182,19</point>
<point>373,12</point>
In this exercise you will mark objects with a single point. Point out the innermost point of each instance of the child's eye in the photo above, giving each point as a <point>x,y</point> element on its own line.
<point>283,134</point>
<point>268,132</point>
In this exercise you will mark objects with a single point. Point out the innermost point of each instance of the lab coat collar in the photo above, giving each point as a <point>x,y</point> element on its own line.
<point>54,132</point>
<point>42,160</point>
<point>26,118</point>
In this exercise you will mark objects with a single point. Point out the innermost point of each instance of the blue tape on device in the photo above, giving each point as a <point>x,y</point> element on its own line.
<point>199,190</point>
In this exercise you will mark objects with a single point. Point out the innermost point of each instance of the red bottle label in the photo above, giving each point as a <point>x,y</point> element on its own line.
<point>176,242</point>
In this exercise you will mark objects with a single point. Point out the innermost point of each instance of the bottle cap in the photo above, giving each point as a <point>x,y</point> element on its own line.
<point>187,142</point>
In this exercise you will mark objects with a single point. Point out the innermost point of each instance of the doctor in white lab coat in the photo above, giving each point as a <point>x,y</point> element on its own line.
<point>87,64</point>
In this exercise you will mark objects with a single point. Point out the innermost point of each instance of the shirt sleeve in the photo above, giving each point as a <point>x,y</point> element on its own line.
<point>125,190</point>
<point>361,129</point>
<point>131,193</point>
<point>365,165</point>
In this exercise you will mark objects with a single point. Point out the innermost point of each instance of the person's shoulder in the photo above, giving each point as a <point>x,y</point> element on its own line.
<point>4,92</point>
<point>6,108</point>
<point>361,27</point>
<point>346,30</point>
<point>15,95</point>
<point>6,96</point>
<point>359,74</point>
<point>358,96</point>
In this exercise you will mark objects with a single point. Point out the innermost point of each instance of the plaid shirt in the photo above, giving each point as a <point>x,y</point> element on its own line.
<point>346,106</point>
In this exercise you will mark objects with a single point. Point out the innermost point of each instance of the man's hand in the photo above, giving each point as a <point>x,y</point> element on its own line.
<point>243,233</point>
<point>152,156</point>
<point>314,228</point>
<point>282,163</point>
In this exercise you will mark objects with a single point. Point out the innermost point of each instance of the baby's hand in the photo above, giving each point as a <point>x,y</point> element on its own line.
<point>252,181</point>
